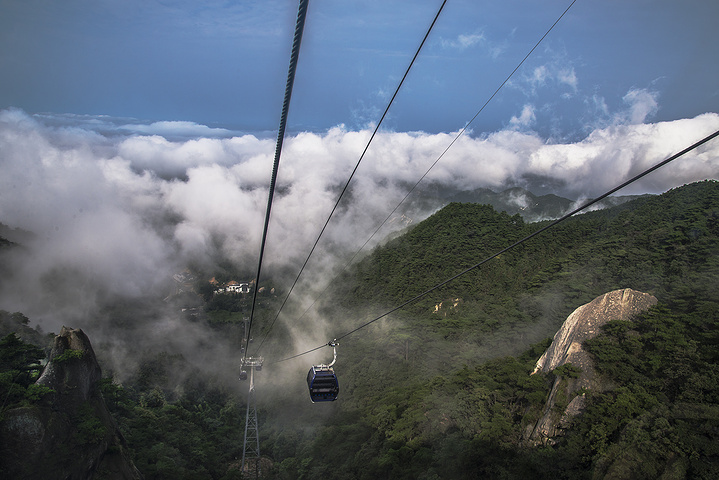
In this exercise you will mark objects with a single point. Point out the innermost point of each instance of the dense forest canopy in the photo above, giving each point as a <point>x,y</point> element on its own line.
<point>442,388</point>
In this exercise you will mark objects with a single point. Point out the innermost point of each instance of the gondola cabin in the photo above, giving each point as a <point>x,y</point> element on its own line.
<point>323,384</point>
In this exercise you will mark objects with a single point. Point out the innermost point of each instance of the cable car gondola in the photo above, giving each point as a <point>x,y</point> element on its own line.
<point>322,381</point>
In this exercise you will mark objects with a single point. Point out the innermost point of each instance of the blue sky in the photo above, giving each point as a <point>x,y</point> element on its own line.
<point>224,63</point>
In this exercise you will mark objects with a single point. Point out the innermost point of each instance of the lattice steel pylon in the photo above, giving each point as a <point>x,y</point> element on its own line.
<point>251,467</point>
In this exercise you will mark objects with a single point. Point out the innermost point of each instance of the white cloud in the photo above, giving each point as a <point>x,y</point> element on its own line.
<point>638,106</point>
<point>552,70</point>
<point>175,129</point>
<point>641,104</point>
<point>599,105</point>
<point>525,119</point>
<point>117,126</point>
<point>539,76</point>
<point>173,158</point>
<point>548,75</point>
<point>568,77</point>
<point>609,156</point>
<point>463,41</point>
<point>466,41</point>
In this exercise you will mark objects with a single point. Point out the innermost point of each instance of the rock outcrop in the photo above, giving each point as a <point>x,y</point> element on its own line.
<point>69,434</point>
<point>566,348</point>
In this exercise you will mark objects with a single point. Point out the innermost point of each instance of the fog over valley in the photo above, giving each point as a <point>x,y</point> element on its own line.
<point>112,208</point>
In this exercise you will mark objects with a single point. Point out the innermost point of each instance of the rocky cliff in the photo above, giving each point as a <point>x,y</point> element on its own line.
<point>69,434</point>
<point>566,398</point>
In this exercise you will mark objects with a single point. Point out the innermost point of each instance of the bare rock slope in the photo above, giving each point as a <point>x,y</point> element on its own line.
<point>584,323</point>
<point>70,434</point>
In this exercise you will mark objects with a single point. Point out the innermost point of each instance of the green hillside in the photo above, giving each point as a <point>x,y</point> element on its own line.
<point>432,392</point>
<point>441,388</point>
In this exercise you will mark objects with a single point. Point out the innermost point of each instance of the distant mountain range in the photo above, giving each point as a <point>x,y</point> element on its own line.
<point>530,207</point>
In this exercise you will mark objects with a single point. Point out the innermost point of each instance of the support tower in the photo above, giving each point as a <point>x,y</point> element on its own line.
<point>251,445</point>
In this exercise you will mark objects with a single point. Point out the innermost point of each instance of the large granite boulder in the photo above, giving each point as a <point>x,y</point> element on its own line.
<point>566,348</point>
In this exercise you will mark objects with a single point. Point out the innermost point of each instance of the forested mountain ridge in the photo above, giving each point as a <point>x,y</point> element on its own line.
<point>513,201</point>
<point>647,243</point>
<point>445,391</point>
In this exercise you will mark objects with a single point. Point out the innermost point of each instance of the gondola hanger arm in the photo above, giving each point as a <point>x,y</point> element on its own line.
<point>334,345</point>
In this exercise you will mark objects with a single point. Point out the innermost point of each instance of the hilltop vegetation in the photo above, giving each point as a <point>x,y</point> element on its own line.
<point>441,388</point>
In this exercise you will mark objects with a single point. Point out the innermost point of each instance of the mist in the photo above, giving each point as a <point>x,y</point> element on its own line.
<point>115,208</point>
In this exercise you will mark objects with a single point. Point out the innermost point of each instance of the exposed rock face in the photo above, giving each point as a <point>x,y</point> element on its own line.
<point>584,323</point>
<point>70,434</point>
<point>72,370</point>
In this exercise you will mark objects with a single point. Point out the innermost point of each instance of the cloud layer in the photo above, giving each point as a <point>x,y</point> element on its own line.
<point>115,212</point>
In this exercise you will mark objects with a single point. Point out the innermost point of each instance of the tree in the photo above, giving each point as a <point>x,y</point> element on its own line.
<point>20,358</point>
